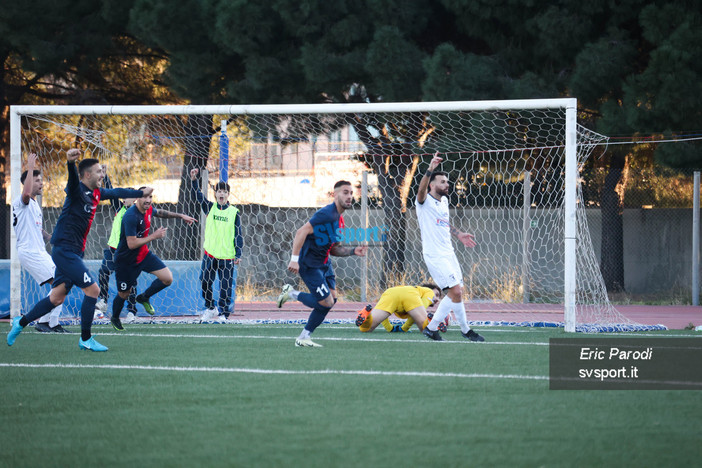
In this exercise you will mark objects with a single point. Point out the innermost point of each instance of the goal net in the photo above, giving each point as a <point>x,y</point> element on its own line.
<point>513,167</point>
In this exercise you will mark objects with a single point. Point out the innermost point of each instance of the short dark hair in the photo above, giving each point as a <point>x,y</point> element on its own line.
<point>86,164</point>
<point>23,177</point>
<point>341,183</point>
<point>437,173</point>
<point>430,286</point>
<point>221,185</point>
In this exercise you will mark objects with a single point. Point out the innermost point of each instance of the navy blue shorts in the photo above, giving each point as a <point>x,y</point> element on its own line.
<point>320,281</point>
<point>70,269</point>
<point>127,275</point>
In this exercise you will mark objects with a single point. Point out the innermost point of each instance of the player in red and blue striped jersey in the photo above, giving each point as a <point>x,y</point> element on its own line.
<point>83,193</point>
<point>133,256</point>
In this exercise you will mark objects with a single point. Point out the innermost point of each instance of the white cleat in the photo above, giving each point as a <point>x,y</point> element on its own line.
<point>284,295</point>
<point>131,318</point>
<point>220,319</point>
<point>306,343</point>
<point>208,315</point>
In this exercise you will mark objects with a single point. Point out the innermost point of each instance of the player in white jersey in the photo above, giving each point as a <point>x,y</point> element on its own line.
<point>31,240</point>
<point>433,215</point>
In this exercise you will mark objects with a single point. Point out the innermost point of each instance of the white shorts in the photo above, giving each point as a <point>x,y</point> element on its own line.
<point>445,270</point>
<point>38,263</point>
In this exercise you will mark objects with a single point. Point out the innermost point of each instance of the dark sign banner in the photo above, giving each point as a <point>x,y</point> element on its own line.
<point>625,363</point>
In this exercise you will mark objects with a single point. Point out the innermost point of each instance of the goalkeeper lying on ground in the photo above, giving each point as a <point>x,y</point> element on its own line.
<point>406,302</point>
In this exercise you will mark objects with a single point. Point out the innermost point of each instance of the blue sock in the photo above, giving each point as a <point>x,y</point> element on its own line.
<point>308,299</point>
<point>117,305</point>
<point>316,317</point>
<point>87,311</point>
<point>156,286</point>
<point>40,309</point>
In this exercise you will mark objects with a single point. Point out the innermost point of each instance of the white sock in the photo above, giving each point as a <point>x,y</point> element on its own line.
<point>304,335</point>
<point>442,311</point>
<point>459,311</point>
<point>54,315</point>
<point>293,293</point>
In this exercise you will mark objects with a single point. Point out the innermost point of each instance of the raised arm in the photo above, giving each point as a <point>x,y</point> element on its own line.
<point>73,178</point>
<point>29,181</point>
<point>199,196</point>
<point>424,183</point>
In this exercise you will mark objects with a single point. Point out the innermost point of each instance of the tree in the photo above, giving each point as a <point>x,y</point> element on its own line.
<point>77,52</point>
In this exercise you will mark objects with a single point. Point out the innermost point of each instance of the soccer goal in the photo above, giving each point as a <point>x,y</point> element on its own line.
<point>513,166</point>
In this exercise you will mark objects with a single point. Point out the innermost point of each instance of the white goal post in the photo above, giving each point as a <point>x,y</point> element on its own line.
<point>279,159</point>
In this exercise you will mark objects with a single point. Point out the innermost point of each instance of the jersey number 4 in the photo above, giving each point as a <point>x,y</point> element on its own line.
<point>86,278</point>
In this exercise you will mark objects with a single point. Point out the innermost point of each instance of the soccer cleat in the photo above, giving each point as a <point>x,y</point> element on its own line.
<point>432,334</point>
<point>220,319</point>
<point>42,327</point>
<point>144,301</point>
<point>284,295</point>
<point>306,343</point>
<point>207,315</point>
<point>101,306</point>
<point>363,315</point>
<point>59,329</point>
<point>116,324</point>
<point>14,331</point>
<point>472,336</point>
<point>131,318</point>
<point>92,345</point>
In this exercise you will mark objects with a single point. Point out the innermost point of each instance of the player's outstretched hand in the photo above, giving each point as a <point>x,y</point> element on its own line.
<point>194,173</point>
<point>32,160</point>
<point>361,250</point>
<point>189,220</point>
<point>73,154</point>
<point>160,233</point>
<point>293,267</point>
<point>435,161</point>
<point>467,239</point>
<point>147,191</point>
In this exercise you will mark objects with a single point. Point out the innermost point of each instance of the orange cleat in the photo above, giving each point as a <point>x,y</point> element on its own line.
<point>363,315</point>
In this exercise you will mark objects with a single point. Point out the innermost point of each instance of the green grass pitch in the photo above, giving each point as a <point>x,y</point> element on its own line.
<point>243,395</point>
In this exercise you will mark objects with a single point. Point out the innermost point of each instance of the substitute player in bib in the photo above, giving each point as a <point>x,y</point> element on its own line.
<point>406,302</point>
<point>32,238</point>
<point>133,255</point>
<point>433,215</point>
<point>222,246</point>
<point>83,193</point>
<point>108,264</point>
<point>313,243</point>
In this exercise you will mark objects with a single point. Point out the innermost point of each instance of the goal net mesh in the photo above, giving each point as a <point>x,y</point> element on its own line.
<point>506,169</point>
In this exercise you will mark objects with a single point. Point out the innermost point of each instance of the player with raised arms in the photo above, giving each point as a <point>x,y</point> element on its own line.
<point>31,240</point>
<point>313,243</point>
<point>83,193</point>
<point>433,215</point>
<point>133,255</point>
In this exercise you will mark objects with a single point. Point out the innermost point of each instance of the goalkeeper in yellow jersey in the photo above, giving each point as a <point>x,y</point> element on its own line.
<point>406,302</point>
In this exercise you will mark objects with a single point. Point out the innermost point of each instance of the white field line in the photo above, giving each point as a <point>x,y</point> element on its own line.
<point>241,370</point>
<point>316,338</point>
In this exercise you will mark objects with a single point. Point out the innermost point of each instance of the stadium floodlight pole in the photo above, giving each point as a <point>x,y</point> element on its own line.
<point>15,192</point>
<point>570,214</point>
